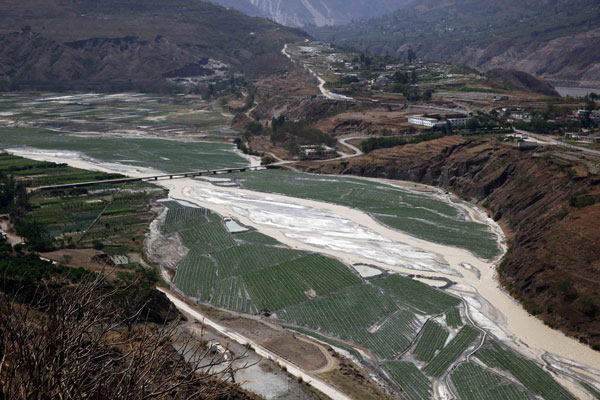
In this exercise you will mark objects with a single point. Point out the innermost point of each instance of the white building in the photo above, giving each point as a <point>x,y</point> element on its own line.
<point>430,122</point>
<point>458,121</point>
<point>424,121</point>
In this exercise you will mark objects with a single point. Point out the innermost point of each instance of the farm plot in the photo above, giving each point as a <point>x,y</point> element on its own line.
<point>207,238</point>
<point>297,281</point>
<point>453,318</point>
<point>413,382</point>
<point>179,214</point>
<point>169,156</point>
<point>256,238</point>
<point>525,371</point>
<point>432,340</point>
<point>593,391</point>
<point>196,275</point>
<point>244,259</point>
<point>232,294</point>
<point>449,354</point>
<point>416,295</point>
<point>350,314</point>
<point>473,382</point>
<point>417,214</point>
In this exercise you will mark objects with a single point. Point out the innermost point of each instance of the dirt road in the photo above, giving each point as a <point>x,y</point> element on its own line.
<point>291,369</point>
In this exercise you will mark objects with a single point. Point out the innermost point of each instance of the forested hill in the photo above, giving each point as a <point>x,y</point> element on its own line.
<point>132,44</point>
<point>553,39</point>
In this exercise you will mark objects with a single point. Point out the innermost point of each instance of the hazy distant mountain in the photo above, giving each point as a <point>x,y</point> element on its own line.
<point>553,39</point>
<point>300,13</point>
<point>143,45</point>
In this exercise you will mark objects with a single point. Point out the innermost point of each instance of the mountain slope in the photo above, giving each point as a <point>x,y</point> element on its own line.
<point>554,39</point>
<point>133,44</point>
<point>301,13</point>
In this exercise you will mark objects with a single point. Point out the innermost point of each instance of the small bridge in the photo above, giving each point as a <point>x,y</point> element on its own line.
<point>152,178</point>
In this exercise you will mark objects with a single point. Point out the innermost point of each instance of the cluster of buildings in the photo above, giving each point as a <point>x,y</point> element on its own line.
<point>586,137</point>
<point>437,121</point>
<point>594,115</point>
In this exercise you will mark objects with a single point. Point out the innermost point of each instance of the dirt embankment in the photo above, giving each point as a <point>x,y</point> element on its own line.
<point>550,201</point>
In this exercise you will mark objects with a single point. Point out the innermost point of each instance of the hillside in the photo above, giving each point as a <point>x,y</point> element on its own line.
<point>301,13</point>
<point>548,200</point>
<point>554,39</point>
<point>133,45</point>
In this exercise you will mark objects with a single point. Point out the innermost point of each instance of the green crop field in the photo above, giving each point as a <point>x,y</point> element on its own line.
<point>416,295</point>
<point>414,384</point>
<point>453,318</point>
<point>525,371</point>
<point>361,314</point>
<point>475,383</point>
<point>256,238</point>
<point>196,275</point>
<point>593,391</point>
<point>207,238</point>
<point>414,213</point>
<point>104,113</point>
<point>453,350</point>
<point>247,258</point>
<point>290,282</point>
<point>79,217</point>
<point>323,298</point>
<point>433,339</point>
<point>163,155</point>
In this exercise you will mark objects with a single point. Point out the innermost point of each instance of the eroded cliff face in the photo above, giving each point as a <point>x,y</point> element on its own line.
<point>549,201</point>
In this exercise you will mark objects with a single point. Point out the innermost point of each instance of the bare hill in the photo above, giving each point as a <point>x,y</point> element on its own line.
<point>133,44</point>
<point>553,39</point>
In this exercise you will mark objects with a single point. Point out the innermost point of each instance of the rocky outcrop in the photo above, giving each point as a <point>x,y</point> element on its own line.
<point>301,13</point>
<point>549,202</point>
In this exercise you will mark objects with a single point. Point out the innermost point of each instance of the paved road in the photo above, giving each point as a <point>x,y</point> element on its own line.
<point>326,93</point>
<point>356,150</point>
<point>261,351</point>
<point>559,143</point>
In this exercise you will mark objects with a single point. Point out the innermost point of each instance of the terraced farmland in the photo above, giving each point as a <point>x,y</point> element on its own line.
<point>414,213</point>
<point>413,382</point>
<point>297,281</point>
<point>416,295</point>
<point>592,390</point>
<point>379,325</point>
<point>321,297</point>
<point>525,371</point>
<point>196,275</point>
<point>453,318</point>
<point>169,156</point>
<point>257,238</point>
<point>84,217</point>
<point>432,340</point>
<point>246,258</point>
<point>207,238</point>
<point>453,350</point>
<point>475,383</point>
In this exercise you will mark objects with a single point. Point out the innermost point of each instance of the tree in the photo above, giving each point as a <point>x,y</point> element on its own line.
<point>414,76</point>
<point>473,124</point>
<point>412,56</point>
<point>69,342</point>
<point>254,128</point>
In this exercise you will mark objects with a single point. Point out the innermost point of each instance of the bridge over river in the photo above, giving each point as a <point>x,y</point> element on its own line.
<point>152,178</point>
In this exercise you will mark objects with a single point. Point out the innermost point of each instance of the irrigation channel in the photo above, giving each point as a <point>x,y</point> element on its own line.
<point>355,237</point>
